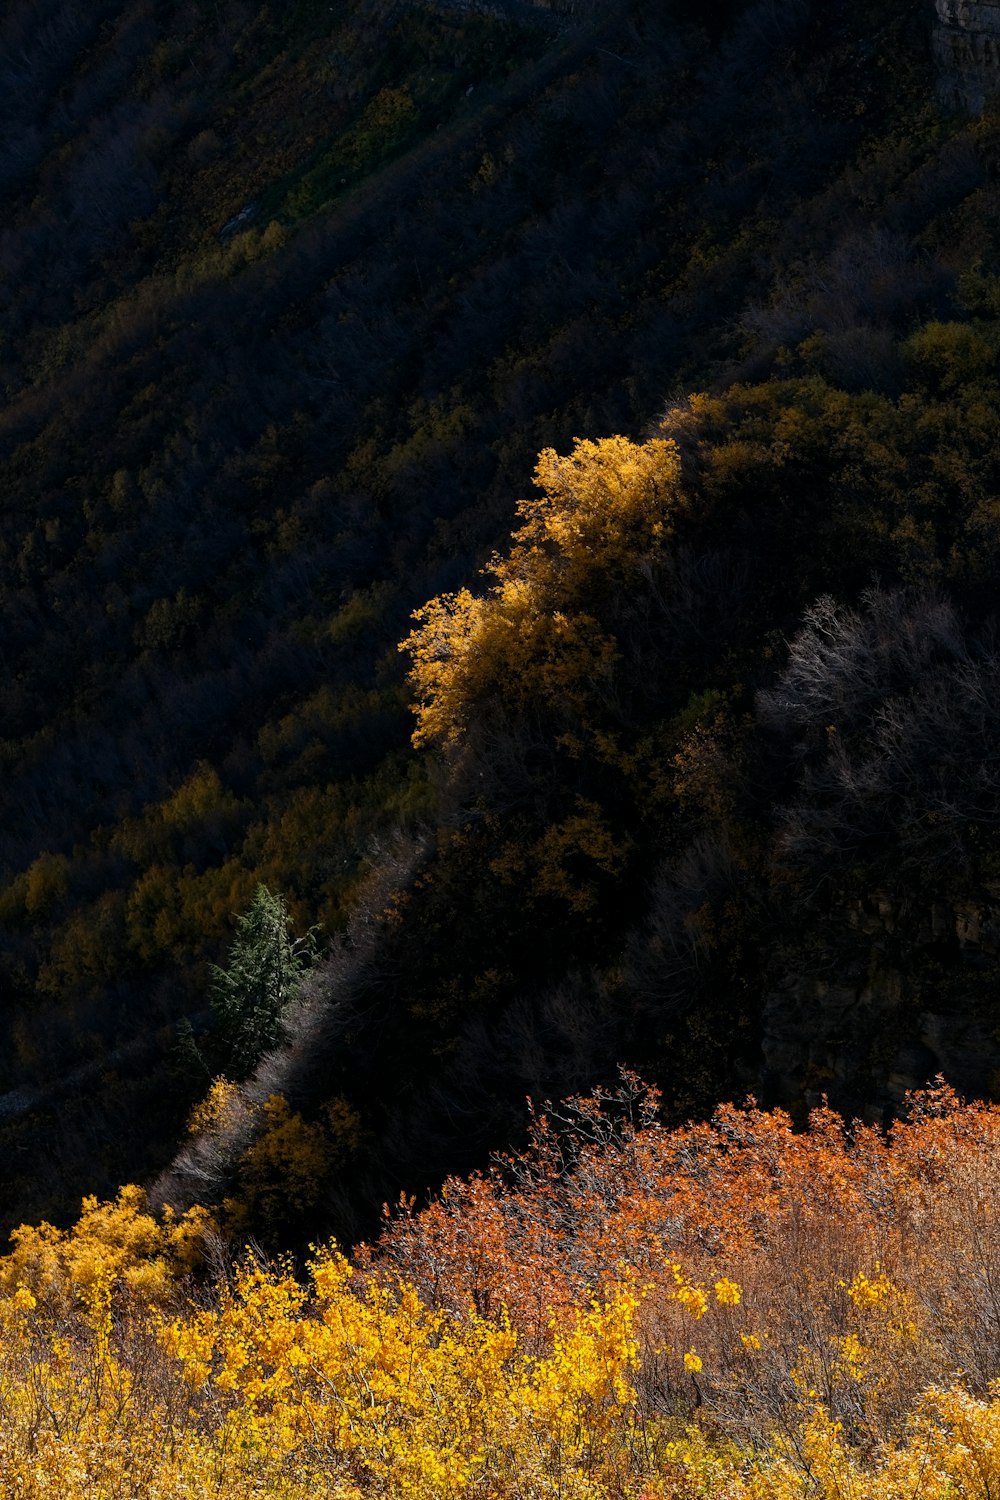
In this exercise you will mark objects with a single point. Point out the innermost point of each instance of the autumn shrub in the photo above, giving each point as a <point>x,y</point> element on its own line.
<point>621,1312</point>
<point>121,1245</point>
<point>848,1252</point>
<point>889,710</point>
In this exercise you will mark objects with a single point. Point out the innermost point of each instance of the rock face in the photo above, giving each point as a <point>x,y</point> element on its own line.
<point>966,42</point>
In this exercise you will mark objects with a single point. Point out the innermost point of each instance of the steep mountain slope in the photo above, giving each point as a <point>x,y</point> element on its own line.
<point>292,306</point>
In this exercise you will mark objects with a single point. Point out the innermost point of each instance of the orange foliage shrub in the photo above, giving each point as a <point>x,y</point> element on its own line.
<point>867,1265</point>
<point>622,1312</point>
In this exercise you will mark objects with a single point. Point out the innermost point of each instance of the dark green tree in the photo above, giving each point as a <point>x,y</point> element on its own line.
<point>249,996</point>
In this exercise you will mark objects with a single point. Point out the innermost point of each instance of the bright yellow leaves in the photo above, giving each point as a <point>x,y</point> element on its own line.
<point>114,1244</point>
<point>693,1299</point>
<point>950,1451</point>
<point>355,1378</point>
<point>532,639</point>
<point>217,1109</point>
<point>534,658</point>
<point>604,503</point>
<point>345,1386</point>
<point>867,1292</point>
<point>546,1339</point>
<point>282,1172</point>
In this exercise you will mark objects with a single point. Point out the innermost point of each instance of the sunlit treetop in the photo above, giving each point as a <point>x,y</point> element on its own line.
<point>533,638</point>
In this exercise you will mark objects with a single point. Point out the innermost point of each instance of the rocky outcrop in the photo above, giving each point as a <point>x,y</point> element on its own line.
<point>966,42</point>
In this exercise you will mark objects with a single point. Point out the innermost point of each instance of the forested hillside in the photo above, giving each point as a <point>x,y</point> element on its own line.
<point>638,376</point>
<point>499,550</point>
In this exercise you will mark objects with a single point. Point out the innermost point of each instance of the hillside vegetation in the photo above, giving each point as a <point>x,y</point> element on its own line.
<point>703,775</point>
<point>635,864</point>
<point>620,1311</point>
<point>499,550</point>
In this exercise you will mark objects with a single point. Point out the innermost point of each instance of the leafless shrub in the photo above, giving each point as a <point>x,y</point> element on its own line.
<point>869,279</point>
<point>844,662</point>
<point>894,716</point>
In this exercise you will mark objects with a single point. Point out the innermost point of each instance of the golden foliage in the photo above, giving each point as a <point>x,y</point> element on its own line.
<point>532,637</point>
<point>282,1172</point>
<point>119,1245</point>
<point>626,1313</point>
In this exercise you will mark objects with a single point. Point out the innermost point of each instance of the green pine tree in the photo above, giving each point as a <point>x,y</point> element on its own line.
<point>249,996</point>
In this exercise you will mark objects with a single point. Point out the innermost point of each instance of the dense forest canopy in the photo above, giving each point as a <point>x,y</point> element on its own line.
<point>637,375</point>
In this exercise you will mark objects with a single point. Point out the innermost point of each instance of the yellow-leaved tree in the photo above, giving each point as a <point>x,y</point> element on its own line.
<point>536,642</point>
